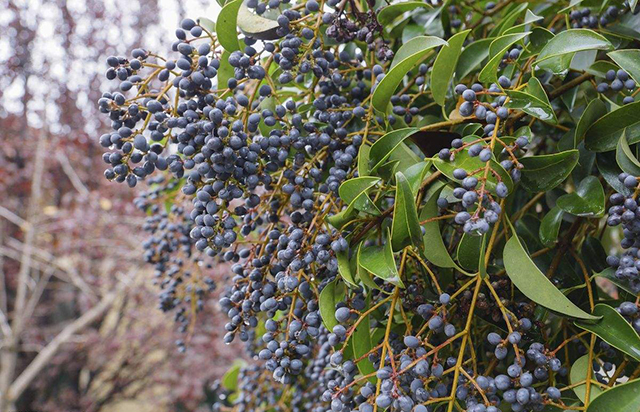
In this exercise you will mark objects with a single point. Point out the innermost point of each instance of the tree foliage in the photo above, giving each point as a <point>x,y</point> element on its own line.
<point>417,201</point>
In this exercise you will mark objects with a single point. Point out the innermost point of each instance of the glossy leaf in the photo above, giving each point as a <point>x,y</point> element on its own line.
<point>498,47</point>
<point>614,330</point>
<point>595,110</point>
<point>352,188</point>
<point>610,274</point>
<point>389,13</point>
<point>226,26</point>
<point>529,280</point>
<point>405,227</point>
<point>531,105</point>
<point>363,274</point>
<point>623,397</point>
<point>344,268</point>
<point>508,20</point>
<point>550,226</point>
<point>603,135</point>
<point>354,191</point>
<point>628,60</point>
<point>625,157</point>
<point>571,41</point>
<point>434,248</point>
<point>544,172</point>
<point>472,56</point>
<point>383,147</point>
<point>579,371</point>
<point>379,261</point>
<point>362,344</point>
<point>601,67</point>
<point>587,201</point>
<point>332,294</point>
<point>530,17</point>
<point>408,56</point>
<point>468,252</point>
<point>230,378</point>
<point>255,26</point>
<point>415,174</point>
<point>225,72</point>
<point>609,169</point>
<point>207,24</point>
<point>363,160</point>
<point>444,66</point>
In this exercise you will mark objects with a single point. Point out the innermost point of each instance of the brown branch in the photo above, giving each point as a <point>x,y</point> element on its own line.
<point>43,358</point>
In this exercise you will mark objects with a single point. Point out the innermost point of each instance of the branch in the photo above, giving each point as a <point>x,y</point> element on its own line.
<point>39,362</point>
<point>29,233</point>
<point>71,173</point>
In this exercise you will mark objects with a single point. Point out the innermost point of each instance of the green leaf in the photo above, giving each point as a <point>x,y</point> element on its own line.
<point>572,41</point>
<point>625,157</point>
<point>255,26</point>
<point>405,156</point>
<point>207,24</point>
<point>344,268</point>
<point>379,261</point>
<point>529,280</point>
<point>472,56</point>
<point>405,227</point>
<point>389,13</point>
<point>444,66</point>
<point>363,160</point>
<point>531,105</point>
<point>603,135</point>
<point>550,226</point>
<point>595,110</point>
<point>383,147</point>
<point>498,47</point>
<point>226,26</point>
<point>610,274</point>
<point>621,398</point>
<point>609,169</point>
<point>601,67</point>
<point>572,3</point>
<point>587,201</point>
<point>225,72</point>
<point>594,254</point>
<point>539,38</point>
<point>614,330</point>
<point>434,248</point>
<point>230,378</point>
<point>332,294</point>
<point>482,264</point>
<point>408,56</point>
<point>362,345</point>
<point>415,174</point>
<point>355,191</point>
<point>363,274</point>
<point>544,172</point>
<point>468,252</point>
<point>508,20</point>
<point>629,60</point>
<point>530,17</point>
<point>579,371</point>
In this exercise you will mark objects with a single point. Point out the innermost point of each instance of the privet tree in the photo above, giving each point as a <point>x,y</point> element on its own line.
<point>416,201</point>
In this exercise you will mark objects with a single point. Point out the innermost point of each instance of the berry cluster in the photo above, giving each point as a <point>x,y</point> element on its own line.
<point>624,210</point>
<point>616,81</point>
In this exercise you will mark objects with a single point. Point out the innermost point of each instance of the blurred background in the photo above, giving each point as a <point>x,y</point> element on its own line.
<point>80,327</point>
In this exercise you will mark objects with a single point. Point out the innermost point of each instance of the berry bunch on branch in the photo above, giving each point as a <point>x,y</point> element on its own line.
<point>410,199</point>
